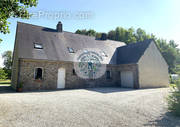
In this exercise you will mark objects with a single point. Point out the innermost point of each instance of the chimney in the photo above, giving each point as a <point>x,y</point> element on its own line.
<point>59,27</point>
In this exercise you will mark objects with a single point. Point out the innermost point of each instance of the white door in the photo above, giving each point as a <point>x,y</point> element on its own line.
<point>127,79</point>
<point>61,78</point>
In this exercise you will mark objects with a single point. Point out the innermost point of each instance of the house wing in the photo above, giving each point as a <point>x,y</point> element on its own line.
<point>132,53</point>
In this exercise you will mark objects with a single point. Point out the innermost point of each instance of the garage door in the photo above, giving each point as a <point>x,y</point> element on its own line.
<point>127,79</point>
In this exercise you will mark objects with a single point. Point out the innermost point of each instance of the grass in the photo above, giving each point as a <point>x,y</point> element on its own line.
<point>5,82</point>
<point>172,85</point>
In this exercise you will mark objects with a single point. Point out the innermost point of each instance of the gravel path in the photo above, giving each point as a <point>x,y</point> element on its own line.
<point>95,107</point>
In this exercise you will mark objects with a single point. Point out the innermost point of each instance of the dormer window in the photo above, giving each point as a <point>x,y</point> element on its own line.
<point>104,54</point>
<point>71,50</point>
<point>38,46</point>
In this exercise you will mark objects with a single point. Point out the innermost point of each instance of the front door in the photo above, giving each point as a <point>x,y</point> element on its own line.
<point>61,78</point>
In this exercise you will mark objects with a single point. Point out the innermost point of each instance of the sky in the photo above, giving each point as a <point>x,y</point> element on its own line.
<point>160,17</point>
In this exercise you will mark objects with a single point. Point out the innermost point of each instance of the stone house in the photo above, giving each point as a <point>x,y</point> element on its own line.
<point>43,58</point>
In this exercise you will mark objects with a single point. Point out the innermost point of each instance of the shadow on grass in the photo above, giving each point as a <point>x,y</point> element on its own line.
<point>165,120</point>
<point>6,89</point>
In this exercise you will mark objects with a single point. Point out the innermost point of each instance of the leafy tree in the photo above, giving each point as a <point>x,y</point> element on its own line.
<point>3,75</point>
<point>13,8</point>
<point>130,36</point>
<point>91,32</point>
<point>78,31</point>
<point>98,36</point>
<point>86,32</point>
<point>7,56</point>
<point>140,35</point>
<point>112,35</point>
<point>169,53</point>
<point>173,44</point>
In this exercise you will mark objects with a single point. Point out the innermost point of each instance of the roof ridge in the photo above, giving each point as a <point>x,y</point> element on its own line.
<point>68,32</point>
<point>34,25</point>
<point>136,43</point>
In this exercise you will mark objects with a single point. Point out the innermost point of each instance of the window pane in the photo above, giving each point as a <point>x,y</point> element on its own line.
<point>74,72</point>
<point>71,50</point>
<point>38,46</point>
<point>38,73</point>
<point>108,75</point>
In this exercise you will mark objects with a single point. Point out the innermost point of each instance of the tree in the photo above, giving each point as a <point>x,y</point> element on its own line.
<point>13,8</point>
<point>98,36</point>
<point>130,36</point>
<point>7,56</point>
<point>91,32</point>
<point>140,35</point>
<point>169,53</point>
<point>112,35</point>
<point>173,44</point>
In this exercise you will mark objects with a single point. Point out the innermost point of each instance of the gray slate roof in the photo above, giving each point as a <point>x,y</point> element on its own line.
<point>55,44</point>
<point>132,52</point>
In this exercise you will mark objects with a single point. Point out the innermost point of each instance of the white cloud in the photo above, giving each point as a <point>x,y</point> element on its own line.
<point>1,61</point>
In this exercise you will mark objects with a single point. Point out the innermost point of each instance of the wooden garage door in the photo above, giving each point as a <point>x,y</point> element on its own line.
<point>127,79</point>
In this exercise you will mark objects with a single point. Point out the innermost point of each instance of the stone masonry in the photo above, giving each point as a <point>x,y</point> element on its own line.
<point>50,75</point>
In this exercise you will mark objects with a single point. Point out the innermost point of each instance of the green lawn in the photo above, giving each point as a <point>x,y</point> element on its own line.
<point>5,82</point>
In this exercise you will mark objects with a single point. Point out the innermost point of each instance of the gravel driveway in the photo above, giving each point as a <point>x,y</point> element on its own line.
<point>94,107</point>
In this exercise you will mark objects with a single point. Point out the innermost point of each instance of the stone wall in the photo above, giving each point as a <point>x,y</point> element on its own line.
<point>50,73</point>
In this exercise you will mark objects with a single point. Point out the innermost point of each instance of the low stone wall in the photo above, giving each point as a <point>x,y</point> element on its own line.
<point>50,75</point>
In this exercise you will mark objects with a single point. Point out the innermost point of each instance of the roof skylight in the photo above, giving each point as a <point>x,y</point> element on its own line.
<point>38,46</point>
<point>104,54</point>
<point>71,50</point>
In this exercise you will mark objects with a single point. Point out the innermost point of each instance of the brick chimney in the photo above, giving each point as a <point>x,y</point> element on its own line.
<point>59,27</point>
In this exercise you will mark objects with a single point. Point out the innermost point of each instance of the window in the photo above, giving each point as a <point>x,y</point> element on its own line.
<point>38,73</point>
<point>104,54</point>
<point>85,50</point>
<point>71,50</point>
<point>119,73</point>
<point>38,46</point>
<point>108,75</point>
<point>74,72</point>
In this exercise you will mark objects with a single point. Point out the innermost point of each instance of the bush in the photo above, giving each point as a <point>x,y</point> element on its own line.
<point>8,73</point>
<point>174,99</point>
<point>3,75</point>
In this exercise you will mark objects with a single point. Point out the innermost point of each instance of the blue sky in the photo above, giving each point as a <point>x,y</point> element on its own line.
<point>160,17</point>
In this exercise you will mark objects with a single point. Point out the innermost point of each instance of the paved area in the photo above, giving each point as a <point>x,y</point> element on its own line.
<point>95,107</point>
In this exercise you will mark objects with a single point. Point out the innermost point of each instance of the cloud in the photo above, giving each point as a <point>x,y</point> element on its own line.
<point>1,61</point>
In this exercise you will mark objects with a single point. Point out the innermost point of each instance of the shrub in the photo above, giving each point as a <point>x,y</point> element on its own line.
<point>3,75</point>
<point>174,99</point>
